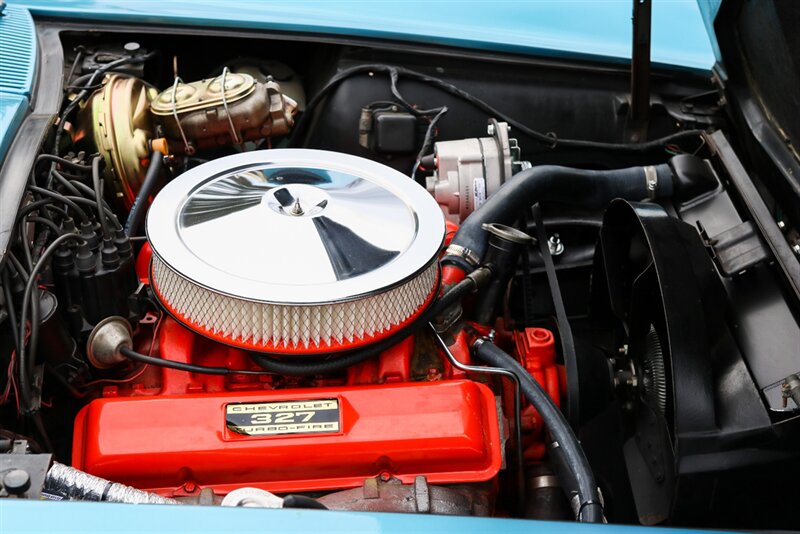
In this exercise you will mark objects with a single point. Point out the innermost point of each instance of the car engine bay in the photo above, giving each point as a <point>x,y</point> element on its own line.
<point>287,272</point>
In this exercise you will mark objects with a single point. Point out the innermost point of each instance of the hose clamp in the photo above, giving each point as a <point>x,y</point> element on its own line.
<point>578,506</point>
<point>544,481</point>
<point>466,254</point>
<point>651,181</point>
<point>579,515</point>
<point>478,342</point>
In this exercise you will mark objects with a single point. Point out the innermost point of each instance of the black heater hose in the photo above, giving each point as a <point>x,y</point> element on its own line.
<point>139,207</point>
<point>575,471</point>
<point>579,187</point>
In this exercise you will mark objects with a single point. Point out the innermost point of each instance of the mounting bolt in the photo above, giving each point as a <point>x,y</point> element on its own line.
<point>434,374</point>
<point>790,389</point>
<point>490,128</point>
<point>555,245</point>
<point>796,248</point>
<point>297,209</point>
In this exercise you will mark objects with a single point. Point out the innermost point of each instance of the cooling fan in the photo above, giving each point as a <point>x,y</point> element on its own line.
<point>661,288</point>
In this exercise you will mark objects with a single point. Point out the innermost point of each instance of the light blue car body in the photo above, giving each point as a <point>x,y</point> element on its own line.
<point>585,29</point>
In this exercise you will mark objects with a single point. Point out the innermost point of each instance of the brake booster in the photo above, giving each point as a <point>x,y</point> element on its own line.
<point>127,118</point>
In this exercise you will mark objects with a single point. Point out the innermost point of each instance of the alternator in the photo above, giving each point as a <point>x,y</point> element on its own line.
<point>468,171</point>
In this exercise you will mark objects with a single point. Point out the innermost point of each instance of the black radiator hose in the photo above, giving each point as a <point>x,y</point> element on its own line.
<point>575,473</point>
<point>579,187</point>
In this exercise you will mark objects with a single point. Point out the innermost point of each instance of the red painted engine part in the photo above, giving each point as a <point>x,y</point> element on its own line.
<point>446,431</point>
<point>167,430</point>
<point>178,343</point>
<point>143,263</point>
<point>535,349</point>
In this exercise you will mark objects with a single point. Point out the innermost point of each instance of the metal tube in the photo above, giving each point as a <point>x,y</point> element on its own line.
<point>640,69</point>
<point>517,410</point>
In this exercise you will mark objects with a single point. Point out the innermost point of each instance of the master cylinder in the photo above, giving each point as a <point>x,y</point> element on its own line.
<point>201,114</point>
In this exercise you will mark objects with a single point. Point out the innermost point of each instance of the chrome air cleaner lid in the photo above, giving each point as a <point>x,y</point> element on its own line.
<point>294,250</point>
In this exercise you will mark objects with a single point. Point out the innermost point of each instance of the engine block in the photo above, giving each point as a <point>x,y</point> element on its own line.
<point>175,432</point>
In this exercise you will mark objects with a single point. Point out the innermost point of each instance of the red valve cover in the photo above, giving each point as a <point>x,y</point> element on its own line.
<point>447,431</point>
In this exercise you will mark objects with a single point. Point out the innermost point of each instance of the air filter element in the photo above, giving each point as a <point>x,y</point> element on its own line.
<point>294,251</point>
